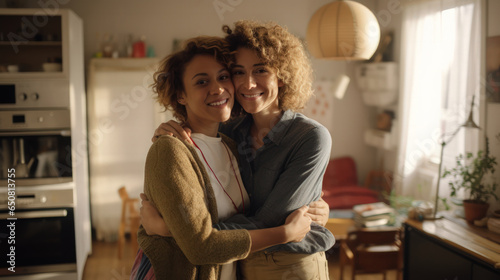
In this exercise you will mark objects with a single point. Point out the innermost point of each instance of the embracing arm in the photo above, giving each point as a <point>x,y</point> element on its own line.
<point>295,228</point>
<point>172,128</point>
<point>153,223</point>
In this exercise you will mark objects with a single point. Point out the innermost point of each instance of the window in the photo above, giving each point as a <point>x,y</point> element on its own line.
<point>440,75</point>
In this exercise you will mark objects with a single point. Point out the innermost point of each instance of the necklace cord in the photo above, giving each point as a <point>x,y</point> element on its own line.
<point>241,192</point>
<point>235,176</point>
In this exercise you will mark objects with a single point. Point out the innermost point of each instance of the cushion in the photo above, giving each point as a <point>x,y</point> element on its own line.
<point>350,190</point>
<point>345,197</point>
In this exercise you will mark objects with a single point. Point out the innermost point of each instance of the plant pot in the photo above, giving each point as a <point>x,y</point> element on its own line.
<point>475,210</point>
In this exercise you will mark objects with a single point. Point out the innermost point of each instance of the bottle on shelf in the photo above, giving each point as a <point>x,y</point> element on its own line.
<point>151,52</point>
<point>108,46</point>
<point>139,48</point>
<point>129,48</point>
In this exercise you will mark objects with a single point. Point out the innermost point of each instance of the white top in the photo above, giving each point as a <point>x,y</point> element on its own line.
<point>219,160</point>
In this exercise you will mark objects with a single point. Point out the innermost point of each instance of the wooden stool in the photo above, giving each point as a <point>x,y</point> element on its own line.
<point>130,217</point>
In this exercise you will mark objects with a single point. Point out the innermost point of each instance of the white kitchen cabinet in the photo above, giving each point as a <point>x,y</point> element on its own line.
<point>40,43</point>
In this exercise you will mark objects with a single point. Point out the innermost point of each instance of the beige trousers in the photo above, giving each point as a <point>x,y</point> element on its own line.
<point>284,266</point>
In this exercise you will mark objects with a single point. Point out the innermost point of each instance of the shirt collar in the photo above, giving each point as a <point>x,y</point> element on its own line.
<point>276,134</point>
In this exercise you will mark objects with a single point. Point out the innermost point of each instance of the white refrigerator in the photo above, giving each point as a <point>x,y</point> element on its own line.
<point>122,116</point>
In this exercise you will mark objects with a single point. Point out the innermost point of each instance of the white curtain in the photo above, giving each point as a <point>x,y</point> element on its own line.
<point>440,69</point>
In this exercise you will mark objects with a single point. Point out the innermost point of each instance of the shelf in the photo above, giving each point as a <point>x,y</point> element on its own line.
<point>378,83</point>
<point>124,63</point>
<point>28,43</point>
<point>380,139</point>
<point>33,43</point>
<point>35,75</point>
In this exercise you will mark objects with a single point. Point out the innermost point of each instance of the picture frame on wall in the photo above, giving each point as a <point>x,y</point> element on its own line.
<point>493,69</point>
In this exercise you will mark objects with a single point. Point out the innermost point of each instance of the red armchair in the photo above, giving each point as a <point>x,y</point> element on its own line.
<point>341,188</point>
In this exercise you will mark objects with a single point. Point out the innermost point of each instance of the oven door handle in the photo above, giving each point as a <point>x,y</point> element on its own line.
<point>62,132</point>
<point>36,214</point>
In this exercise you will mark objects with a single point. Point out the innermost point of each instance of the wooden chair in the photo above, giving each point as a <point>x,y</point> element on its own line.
<point>130,218</point>
<point>372,251</point>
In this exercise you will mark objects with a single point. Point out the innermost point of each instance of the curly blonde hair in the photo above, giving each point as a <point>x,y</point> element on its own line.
<point>280,50</point>
<point>168,79</point>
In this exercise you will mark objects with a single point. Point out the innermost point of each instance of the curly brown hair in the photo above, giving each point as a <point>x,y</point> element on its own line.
<point>168,79</point>
<point>280,50</point>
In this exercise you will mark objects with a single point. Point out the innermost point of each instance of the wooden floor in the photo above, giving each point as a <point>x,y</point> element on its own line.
<point>104,264</point>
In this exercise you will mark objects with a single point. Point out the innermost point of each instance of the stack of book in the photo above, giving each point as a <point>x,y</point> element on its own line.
<point>373,214</point>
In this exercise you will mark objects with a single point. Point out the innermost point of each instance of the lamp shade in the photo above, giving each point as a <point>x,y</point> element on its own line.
<point>343,30</point>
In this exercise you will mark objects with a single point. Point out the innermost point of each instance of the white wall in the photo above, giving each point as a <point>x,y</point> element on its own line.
<point>493,19</point>
<point>163,21</point>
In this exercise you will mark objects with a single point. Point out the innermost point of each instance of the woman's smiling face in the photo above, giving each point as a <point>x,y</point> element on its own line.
<point>256,83</point>
<point>208,91</point>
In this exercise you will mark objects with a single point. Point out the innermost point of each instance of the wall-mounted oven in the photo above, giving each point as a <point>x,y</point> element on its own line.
<point>43,234</point>
<point>36,154</point>
<point>37,144</point>
<point>35,151</point>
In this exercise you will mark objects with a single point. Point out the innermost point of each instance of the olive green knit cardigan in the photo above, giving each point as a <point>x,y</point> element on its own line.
<point>178,185</point>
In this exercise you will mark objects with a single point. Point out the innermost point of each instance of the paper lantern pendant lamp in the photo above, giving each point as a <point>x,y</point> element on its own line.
<point>343,30</point>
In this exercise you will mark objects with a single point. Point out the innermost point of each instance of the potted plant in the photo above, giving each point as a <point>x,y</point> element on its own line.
<point>471,175</point>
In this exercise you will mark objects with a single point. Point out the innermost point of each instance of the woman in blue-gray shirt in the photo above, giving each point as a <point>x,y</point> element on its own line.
<point>283,154</point>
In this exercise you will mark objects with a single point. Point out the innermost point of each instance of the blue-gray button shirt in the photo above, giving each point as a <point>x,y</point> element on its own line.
<point>282,175</point>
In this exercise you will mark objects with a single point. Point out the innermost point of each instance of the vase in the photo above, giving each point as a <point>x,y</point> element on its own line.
<point>459,207</point>
<point>475,210</point>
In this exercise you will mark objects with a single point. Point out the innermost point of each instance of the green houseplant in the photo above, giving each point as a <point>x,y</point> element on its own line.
<point>470,174</point>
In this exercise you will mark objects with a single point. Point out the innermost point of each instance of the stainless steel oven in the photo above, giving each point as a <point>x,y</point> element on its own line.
<point>42,233</point>
<point>37,143</point>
